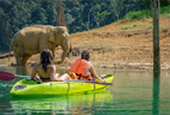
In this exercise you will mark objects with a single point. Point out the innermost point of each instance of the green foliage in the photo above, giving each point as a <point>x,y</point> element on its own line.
<point>80,15</point>
<point>164,3</point>
<point>138,15</point>
<point>165,11</point>
<point>143,14</point>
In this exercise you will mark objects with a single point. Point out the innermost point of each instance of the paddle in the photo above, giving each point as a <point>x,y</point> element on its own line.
<point>7,76</point>
<point>93,82</point>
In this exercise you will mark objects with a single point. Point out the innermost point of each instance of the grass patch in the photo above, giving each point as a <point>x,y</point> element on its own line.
<point>131,26</point>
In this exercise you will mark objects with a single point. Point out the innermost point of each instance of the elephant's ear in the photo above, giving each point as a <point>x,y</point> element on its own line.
<point>52,36</point>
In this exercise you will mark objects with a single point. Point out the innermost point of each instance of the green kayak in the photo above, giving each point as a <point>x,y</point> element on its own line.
<point>31,88</point>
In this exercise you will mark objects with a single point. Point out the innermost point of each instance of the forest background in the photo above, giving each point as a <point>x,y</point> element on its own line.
<point>81,15</point>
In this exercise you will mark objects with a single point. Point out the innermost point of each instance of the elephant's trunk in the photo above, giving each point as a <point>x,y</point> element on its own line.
<point>66,49</point>
<point>71,49</point>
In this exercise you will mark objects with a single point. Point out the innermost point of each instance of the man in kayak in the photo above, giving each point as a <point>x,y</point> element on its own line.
<point>83,69</point>
<point>46,70</point>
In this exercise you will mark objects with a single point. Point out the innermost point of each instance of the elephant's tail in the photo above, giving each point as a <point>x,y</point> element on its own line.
<point>10,48</point>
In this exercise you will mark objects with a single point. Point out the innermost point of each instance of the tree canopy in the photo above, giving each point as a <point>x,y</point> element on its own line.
<point>80,15</point>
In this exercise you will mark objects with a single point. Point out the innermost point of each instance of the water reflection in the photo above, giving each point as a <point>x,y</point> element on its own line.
<point>135,92</point>
<point>68,104</point>
<point>22,70</point>
<point>25,70</point>
<point>16,69</point>
<point>156,87</point>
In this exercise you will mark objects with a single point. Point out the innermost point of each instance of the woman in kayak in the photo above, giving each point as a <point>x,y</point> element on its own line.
<point>46,70</point>
<point>83,69</point>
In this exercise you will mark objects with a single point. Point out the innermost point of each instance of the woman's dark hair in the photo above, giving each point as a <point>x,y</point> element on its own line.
<point>85,54</point>
<point>46,58</point>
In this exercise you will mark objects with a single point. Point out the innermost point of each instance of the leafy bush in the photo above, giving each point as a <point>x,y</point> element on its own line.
<point>165,11</point>
<point>138,15</point>
<point>143,14</point>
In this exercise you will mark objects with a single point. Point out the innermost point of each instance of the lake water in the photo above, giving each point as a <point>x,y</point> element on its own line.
<point>134,93</point>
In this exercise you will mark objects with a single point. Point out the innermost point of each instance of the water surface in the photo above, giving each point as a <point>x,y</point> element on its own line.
<point>134,92</point>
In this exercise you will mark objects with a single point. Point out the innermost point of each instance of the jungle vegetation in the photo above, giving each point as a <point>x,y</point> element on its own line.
<point>80,15</point>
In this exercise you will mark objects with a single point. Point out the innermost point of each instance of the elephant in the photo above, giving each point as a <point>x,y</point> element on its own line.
<point>33,39</point>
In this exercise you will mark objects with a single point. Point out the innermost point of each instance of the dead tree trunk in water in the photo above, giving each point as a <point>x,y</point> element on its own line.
<point>60,14</point>
<point>156,60</point>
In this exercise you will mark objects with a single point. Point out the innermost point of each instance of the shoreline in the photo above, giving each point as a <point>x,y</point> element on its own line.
<point>111,47</point>
<point>122,66</point>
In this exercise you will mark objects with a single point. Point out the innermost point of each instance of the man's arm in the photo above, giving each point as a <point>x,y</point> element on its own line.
<point>93,72</point>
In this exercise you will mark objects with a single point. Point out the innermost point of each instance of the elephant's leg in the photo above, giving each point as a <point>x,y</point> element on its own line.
<point>18,59</point>
<point>25,59</point>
